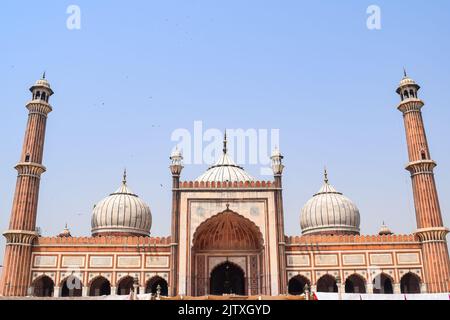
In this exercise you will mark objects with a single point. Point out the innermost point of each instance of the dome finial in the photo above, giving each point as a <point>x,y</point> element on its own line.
<point>43,75</point>
<point>124,179</point>
<point>404,72</point>
<point>225,142</point>
<point>325,175</point>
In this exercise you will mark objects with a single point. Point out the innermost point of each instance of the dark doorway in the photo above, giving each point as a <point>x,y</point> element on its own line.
<point>227,278</point>
<point>327,283</point>
<point>410,283</point>
<point>100,287</point>
<point>297,285</point>
<point>382,284</point>
<point>153,283</point>
<point>72,287</point>
<point>125,286</point>
<point>43,287</point>
<point>355,284</point>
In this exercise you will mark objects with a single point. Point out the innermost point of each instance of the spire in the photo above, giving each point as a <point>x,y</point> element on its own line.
<point>43,75</point>
<point>325,175</point>
<point>225,142</point>
<point>404,72</point>
<point>124,179</point>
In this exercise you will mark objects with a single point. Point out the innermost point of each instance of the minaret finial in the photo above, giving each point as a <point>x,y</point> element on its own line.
<point>404,72</point>
<point>124,179</point>
<point>225,142</point>
<point>325,175</point>
<point>43,75</point>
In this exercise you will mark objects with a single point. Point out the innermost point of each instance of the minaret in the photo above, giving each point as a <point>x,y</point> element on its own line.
<point>15,279</point>
<point>430,229</point>
<point>175,168</point>
<point>277,167</point>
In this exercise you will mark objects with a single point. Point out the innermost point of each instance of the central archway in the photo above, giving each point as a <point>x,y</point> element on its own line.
<point>227,256</point>
<point>227,278</point>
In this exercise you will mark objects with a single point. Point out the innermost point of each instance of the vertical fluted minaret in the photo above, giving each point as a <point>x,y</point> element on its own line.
<point>277,167</point>
<point>15,279</point>
<point>175,168</point>
<point>430,229</point>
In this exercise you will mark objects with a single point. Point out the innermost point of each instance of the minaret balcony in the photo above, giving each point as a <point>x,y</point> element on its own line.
<point>30,169</point>
<point>410,105</point>
<point>39,107</point>
<point>421,167</point>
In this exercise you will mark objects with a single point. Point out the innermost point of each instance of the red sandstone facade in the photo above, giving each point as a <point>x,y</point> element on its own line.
<point>222,226</point>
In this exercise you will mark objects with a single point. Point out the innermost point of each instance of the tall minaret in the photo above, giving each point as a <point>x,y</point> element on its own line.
<point>430,229</point>
<point>15,279</point>
<point>176,167</point>
<point>277,167</point>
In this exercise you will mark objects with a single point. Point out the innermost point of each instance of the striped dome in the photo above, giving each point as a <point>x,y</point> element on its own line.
<point>329,212</point>
<point>225,170</point>
<point>121,213</point>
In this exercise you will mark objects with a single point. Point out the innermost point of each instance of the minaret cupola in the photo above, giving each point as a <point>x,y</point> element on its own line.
<point>407,88</point>
<point>41,90</point>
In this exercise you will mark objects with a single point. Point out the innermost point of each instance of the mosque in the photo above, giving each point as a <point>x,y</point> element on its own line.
<point>227,232</point>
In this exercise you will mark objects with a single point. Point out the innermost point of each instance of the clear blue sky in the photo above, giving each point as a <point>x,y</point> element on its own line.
<point>137,70</point>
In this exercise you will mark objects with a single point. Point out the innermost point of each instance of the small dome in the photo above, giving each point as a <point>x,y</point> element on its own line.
<point>329,212</point>
<point>406,81</point>
<point>121,213</point>
<point>42,83</point>
<point>384,230</point>
<point>276,152</point>
<point>65,233</point>
<point>176,154</point>
<point>225,170</point>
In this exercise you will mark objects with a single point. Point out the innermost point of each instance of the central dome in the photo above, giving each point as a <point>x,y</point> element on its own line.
<point>121,213</point>
<point>225,170</point>
<point>329,212</point>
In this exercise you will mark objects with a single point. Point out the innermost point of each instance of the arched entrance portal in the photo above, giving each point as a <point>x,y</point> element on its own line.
<point>43,287</point>
<point>297,284</point>
<point>382,284</point>
<point>100,287</point>
<point>227,256</point>
<point>327,283</point>
<point>227,278</point>
<point>410,283</point>
<point>355,284</point>
<point>153,283</point>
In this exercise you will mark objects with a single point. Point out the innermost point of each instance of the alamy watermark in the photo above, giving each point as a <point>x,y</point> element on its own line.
<point>374,20</point>
<point>245,146</point>
<point>73,21</point>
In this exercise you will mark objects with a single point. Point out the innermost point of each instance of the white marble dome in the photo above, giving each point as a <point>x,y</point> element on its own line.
<point>329,212</point>
<point>121,213</point>
<point>225,170</point>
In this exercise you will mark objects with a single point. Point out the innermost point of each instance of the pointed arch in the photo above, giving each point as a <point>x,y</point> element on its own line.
<point>43,286</point>
<point>125,285</point>
<point>227,230</point>
<point>410,283</point>
<point>71,286</point>
<point>296,285</point>
<point>383,283</point>
<point>327,283</point>
<point>227,278</point>
<point>355,283</point>
<point>152,284</point>
<point>99,286</point>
